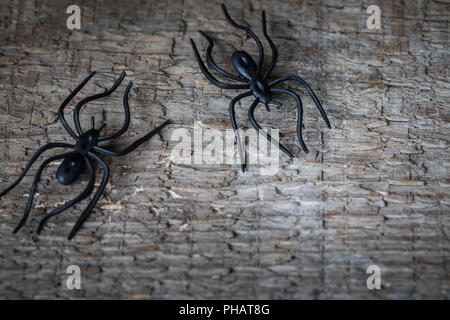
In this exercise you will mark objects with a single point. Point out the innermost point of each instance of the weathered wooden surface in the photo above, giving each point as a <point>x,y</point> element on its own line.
<point>374,189</point>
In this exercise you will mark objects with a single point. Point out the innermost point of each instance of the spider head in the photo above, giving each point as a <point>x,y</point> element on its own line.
<point>261,91</point>
<point>244,64</point>
<point>87,141</point>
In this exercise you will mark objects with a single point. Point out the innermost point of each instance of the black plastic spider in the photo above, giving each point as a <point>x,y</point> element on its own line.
<point>84,151</point>
<point>249,73</point>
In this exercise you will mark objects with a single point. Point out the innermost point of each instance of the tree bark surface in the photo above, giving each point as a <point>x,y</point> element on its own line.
<point>374,190</point>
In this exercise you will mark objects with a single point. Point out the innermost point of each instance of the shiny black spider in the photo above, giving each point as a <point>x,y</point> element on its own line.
<point>84,151</point>
<point>249,73</point>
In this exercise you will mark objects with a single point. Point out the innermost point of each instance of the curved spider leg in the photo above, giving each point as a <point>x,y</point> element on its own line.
<point>34,185</point>
<point>66,102</point>
<point>250,33</point>
<point>310,91</point>
<point>31,161</point>
<point>94,200</point>
<point>210,77</point>
<point>102,126</point>
<point>213,65</point>
<point>235,126</point>
<point>76,112</point>
<point>259,129</point>
<point>272,46</point>
<point>134,145</point>
<point>299,115</point>
<point>126,123</point>
<point>86,192</point>
<point>275,103</point>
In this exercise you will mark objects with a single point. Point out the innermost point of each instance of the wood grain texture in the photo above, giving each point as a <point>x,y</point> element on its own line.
<point>373,190</point>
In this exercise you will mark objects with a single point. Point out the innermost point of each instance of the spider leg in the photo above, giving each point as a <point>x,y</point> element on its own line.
<point>259,129</point>
<point>126,123</point>
<point>235,126</point>
<point>299,115</point>
<point>76,112</point>
<point>250,33</point>
<point>92,122</point>
<point>310,91</point>
<point>208,74</point>
<point>94,200</point>
<point>134,145</point>
<point>34,185</point>
<point>86,192</point>
<point>31,161</point>
<point>213,65</point>
<point>272,46</point>
<point>66,102</point>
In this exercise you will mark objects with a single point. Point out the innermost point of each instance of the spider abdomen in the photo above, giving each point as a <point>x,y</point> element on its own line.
<point>69,169</point>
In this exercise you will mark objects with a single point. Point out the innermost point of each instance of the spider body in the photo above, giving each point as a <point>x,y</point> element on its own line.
<point>246,66</point>
<point>87,142</point>
<point>84,152</point>
<point>70,168</point>
<point>250,78</point>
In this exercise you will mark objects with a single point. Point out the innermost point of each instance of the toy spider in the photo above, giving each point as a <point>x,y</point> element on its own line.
<point>249,74</point>
<point>84,151</point>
